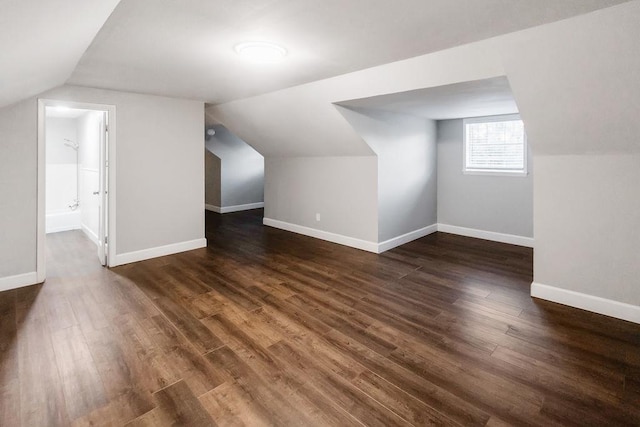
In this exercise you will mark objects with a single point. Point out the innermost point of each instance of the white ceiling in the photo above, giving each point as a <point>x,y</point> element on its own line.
<point>42,41</point>
<point>185,48</point>
<point>64,113</point>
<point>487,97</point>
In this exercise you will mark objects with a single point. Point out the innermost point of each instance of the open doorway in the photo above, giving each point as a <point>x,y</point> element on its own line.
<point>76,175</point>
<point>234,172</point>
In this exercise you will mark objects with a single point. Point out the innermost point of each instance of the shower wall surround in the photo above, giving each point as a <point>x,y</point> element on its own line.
<point>70,177</point>
<point>61,176</point>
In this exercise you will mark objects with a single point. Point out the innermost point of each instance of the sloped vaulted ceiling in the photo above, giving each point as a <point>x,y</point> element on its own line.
<point>41,42</point>
<point>185,48</point>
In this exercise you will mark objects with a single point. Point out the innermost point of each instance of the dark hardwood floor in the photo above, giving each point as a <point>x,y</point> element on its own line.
<point>266,327</point>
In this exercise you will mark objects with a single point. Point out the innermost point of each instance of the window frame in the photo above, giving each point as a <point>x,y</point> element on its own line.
<point>493,172</point>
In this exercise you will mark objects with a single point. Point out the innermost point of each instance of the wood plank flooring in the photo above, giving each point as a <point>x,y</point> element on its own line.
<point>268,328</point>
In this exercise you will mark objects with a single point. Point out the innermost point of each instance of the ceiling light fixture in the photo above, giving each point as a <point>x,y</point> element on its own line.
<point>261,51</point>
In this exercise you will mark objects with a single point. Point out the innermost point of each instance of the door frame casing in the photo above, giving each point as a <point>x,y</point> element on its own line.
<point>41,202</point>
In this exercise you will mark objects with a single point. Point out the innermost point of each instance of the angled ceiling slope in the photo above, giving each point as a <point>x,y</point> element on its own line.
<point>41,42</point>
<point>487,97</point>
<point>303,122</point>
<point>186,48</point>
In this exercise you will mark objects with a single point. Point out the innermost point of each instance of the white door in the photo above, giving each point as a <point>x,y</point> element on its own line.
<point>103,171</point>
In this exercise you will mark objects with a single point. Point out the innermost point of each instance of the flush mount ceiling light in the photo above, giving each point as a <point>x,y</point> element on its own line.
<point>261,51</point>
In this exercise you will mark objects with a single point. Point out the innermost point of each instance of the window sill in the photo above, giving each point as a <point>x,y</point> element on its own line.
<point>495,173</point>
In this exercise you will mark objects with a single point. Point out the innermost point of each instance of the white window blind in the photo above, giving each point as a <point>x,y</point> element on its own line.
<point>495,145</point>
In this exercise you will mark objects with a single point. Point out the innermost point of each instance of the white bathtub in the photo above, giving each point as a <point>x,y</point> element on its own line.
<point>63,221</point>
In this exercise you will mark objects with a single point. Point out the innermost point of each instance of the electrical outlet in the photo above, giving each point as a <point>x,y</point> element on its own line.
<point>318,217</point>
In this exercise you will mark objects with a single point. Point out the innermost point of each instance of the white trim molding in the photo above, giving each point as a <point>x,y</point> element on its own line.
<point>611,308</point>
<point>399,240</point>
<point>511,239</point>
<point>90,234</point>
<point>236,208</point>
<point>352,242</point>
<point>323,235</point>
<point>18,281</point>
<point>129,257</point>
<point>406,238</point>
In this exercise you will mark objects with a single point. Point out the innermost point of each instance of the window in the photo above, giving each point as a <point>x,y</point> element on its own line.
<point>495,145</point>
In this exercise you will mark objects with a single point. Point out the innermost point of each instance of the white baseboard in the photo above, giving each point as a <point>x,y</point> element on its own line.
<point>616,309</point>
<point>400,240</point>
<point>18,281</point>
<point>159,251</point>
<point>406,238</point>
<point>236,208</point>
<point>323,235</point>
<point>487,235</point>
<point>90,234</point>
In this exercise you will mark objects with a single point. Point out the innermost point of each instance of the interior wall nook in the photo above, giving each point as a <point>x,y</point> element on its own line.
<point>405,148</point>
<point>234,172</point>
<point>495,204</point>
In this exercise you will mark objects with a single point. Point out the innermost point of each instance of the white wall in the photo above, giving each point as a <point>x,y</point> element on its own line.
<point>587,215</point>
<point>61,175</point>
<point>241,169</point>
<point>343,190</point>
<point>500,204</point>
<point>406,152</point>
<point>59,129</point>
<point>18,181</point>
<point>89,133</point>
<point>160,174</point>
<point>576,85</point>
